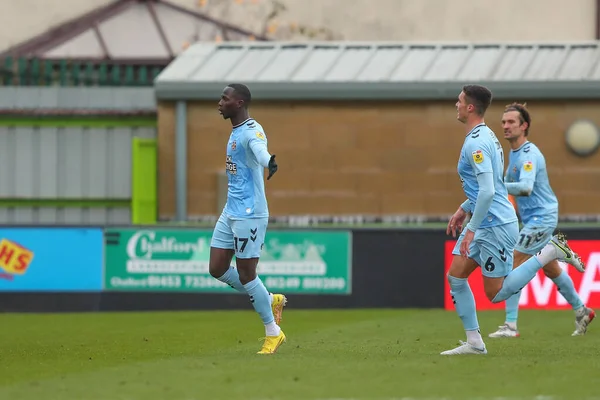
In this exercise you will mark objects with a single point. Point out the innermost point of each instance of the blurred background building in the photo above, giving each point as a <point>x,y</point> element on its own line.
<point>357,99</point>
<point>152,32</point>
<point>325,19</point>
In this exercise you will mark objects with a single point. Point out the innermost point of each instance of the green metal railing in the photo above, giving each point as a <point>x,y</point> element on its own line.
<point>36,72</point>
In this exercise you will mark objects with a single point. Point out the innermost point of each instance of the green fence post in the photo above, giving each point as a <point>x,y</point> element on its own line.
<point>63,73</point>
<point>23,73</point>
<point>76,73</point>
<point>142,79</point>
<point>144,181</point>
<point>115,75</point>
<point>35,71</point>
<point>8,71</point>
<point>89,75</point>
<point>47,78</point>
<point>128,80</point>
<point>103,75</point>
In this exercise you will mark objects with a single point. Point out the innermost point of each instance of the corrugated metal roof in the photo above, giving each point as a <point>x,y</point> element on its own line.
<point>312,69</point>
<point>89,98</point>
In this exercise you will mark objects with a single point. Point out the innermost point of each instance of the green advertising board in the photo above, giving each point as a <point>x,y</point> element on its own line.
<point>302,262</point>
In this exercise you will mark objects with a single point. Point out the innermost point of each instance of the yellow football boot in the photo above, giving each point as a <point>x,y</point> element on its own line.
<point>279,301</point>
<point>272,343</point>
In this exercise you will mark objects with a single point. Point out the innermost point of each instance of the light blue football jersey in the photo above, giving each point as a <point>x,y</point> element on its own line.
<point>527,163</point>
<point>482,152</point>
<point>246,186</point>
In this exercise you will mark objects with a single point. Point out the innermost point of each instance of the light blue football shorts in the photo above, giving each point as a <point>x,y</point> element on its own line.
<point>492,248</point>
<point>245,236</point>
<point>533,237</point>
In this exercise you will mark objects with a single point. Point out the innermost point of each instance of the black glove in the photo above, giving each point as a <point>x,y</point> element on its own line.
<point>272,167</point>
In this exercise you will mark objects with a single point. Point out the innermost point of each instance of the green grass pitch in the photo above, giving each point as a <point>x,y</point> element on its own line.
<point>330,354</point>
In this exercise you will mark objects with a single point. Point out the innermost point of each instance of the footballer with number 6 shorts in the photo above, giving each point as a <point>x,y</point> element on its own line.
<point>489,239</point>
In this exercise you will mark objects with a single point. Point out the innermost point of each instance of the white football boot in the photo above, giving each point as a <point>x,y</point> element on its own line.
<point>504,331</point>
<point>582,321</point>
<point>564,252</point>
<point>464,348</point>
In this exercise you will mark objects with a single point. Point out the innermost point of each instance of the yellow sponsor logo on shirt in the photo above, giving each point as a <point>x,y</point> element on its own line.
<point>478,156</point>
<point>528,166</point>
<point>260,135</point>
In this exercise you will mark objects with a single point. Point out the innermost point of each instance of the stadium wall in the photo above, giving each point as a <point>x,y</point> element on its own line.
<point>369,158</point>
<point>72,153</point>
<point>88,269</point>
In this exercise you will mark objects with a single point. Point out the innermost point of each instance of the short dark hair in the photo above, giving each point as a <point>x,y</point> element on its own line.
<point>242,92</point>
<point>523,114</point>
<point>479,96</point>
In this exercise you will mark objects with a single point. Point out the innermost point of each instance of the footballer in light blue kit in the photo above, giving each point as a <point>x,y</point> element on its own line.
<point>491,234</point>
<point>527,179</point>
<point>241,228</point>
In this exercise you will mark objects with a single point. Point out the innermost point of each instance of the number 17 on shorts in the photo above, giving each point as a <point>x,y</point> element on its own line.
<point>249,237</point>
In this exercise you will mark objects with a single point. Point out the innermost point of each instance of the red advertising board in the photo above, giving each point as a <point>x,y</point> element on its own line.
<point>541,292</point>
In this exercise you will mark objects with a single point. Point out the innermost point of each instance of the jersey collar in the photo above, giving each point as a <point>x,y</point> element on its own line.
<point>476,126</point>
<point>242,123</point>
<point>520,147</point>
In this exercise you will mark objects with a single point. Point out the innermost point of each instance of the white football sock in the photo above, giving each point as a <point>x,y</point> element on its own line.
<point>547,254</point>
<point>474,339</point>
<point>272,329</point>
<point>512,325</point>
